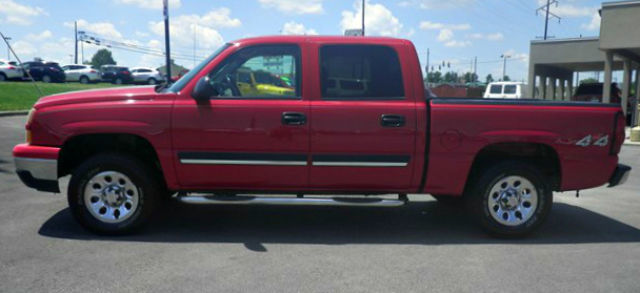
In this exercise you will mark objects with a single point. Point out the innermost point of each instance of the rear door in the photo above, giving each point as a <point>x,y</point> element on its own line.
<point>363,125</point>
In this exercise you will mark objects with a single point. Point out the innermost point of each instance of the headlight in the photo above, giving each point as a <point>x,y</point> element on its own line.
<point>27,135</point>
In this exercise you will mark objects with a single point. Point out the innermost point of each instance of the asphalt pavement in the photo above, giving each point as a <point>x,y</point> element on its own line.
<point>588,244</point>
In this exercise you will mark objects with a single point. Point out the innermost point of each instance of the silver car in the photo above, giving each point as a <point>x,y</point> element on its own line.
<point>146,75</point>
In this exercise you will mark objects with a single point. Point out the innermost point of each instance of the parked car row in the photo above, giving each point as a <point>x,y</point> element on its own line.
<point>53,72</point>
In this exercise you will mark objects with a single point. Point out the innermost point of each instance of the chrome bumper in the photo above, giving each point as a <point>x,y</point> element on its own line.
<point>41,174</point>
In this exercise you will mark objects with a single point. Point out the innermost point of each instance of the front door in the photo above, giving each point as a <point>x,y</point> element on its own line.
<point>246,138</point>
<point>363,125</point>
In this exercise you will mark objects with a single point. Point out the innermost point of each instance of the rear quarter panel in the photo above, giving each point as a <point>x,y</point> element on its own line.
<point>459,131</point>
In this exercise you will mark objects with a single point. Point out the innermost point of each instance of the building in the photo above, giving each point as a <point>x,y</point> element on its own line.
<point>553,63</point>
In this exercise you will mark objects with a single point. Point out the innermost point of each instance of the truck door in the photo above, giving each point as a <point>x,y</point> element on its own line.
<point>363,123</point>
<point>241,139</point>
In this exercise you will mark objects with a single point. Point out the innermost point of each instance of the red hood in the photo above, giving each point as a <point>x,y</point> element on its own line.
<point>97,95</point>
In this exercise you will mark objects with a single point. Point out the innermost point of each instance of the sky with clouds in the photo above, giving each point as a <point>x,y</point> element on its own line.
<point>455,31</point>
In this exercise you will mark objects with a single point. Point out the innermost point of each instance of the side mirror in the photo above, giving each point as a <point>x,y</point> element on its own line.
<point>203,90</point>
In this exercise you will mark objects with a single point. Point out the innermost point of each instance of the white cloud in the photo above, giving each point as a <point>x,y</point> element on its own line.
<point>445,35</point>
<point>294,28</point>
<point>428,25</point>
<point>489,37</point>
<point>46,34</point>
<point>24,49</point>
<point>105,29</point>
<point>18,14</point>
<point>457,44</point>
<point>294,6</point>
<point>570,10</point>
<point>183,27</point>
<point>150,4</point>
<point>594,24</point>
<point>378,20</point>
<point>436,4</point>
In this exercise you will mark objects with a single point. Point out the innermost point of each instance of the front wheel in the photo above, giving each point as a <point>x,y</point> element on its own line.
<point>84,80</point>
<point>152,81</point>
<point>118,81</point>
<point>511,199</point>
<point>46,78</point>
<point>112,194</point>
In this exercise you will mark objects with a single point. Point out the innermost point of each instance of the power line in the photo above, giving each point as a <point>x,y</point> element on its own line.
<point>547,10</point>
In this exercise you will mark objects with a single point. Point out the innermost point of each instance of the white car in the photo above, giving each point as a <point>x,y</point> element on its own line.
<point>146,75</point>
<point>504,90</point>
<point>81,73</point>
<point>10,70</point>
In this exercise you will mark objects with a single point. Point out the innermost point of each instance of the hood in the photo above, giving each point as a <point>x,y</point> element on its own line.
<point>98,95</point>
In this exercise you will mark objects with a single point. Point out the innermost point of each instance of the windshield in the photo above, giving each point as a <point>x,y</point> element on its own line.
<point>182,82</point>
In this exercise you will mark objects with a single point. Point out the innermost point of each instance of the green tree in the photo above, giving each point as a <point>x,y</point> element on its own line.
<point>434,77</point>
<point>589,80</point>
<point>507,78</point>
<point>102,57</point>
<point>489,78</point>
<point>470,77</point>
<point>451,77</point>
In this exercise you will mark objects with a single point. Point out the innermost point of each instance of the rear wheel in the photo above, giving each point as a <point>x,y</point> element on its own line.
<point>46,78</point>
<point>152,81</point>
<point>113,194</point>
<point>118,80</point>
<point>511,199</point>
<point>3,77</point>
<point>84,79</point>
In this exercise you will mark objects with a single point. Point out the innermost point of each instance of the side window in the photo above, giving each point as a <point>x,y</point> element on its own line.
<point>259,72</point>
<point>66,67</point>
<point>510,89</point>
<point>360,72</point>
<point>496,89</point>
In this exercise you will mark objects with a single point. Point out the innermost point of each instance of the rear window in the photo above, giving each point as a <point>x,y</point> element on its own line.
<point>144,70</point>
<point>360,72</point>
<point>510,89</point>
<point>495,89</point>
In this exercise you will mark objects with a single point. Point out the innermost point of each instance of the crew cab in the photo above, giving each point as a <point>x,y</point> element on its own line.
<point>205,140</point>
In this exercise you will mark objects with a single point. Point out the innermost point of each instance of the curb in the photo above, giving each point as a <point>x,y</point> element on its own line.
<point>632,143</point>
<point>13,113</point>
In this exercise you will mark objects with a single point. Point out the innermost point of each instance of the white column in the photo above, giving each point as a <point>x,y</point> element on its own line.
<point>608,76</point>
<point>570,90</point>
<point>552,88</point>
<point>634,106</point>
<point>543,87</point>
<point>561,93</point>
<point>626,83</point>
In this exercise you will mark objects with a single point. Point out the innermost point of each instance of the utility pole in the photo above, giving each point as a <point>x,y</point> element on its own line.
<point>75,29</point>
<point>547,10</point>
<point>475,68</point>
<point>166,39</point>
<point>81,33</point>
<point>363,2</point>
<point>7,39</point>
<point>427,68</point>
<point>504,66</point>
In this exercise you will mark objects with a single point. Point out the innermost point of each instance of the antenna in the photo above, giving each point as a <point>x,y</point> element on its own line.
<point>20,62</point>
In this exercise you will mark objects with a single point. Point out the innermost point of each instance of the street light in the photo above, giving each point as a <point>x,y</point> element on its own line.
<point>504,66</point>
<point>7,39</point>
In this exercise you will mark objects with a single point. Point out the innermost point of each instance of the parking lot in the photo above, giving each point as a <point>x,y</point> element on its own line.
<point>591,243</point>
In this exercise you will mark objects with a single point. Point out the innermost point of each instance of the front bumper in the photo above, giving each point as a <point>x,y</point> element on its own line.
<point>620,175</point>
<point>37,166</point>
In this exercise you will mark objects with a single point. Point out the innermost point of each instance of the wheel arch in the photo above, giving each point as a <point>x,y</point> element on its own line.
<point>78,148</point>
<point>540,155</point>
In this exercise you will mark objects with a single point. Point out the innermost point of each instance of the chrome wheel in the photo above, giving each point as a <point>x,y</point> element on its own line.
<point>111,197</point>
<point>512,201</point>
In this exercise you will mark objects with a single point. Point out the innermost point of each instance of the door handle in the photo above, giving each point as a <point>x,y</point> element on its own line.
<point>387,120</point>
<point>294,118</point>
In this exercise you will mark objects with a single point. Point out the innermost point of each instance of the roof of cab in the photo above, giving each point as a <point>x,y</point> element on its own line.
<point>321,39</point>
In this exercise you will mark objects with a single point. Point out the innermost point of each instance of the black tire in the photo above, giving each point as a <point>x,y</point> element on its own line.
<point>118,81</point>
<point>448,200</point>
<point>480,191</point>
<point>148,191</point>
<point>152,81</point>
<point>84,80</point>
<point>46,78</point>
<point>3,77</point>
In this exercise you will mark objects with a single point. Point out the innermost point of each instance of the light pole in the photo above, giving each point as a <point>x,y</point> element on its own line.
<point>504,66</point>
<point>363,2</point>
<point>7,39</point>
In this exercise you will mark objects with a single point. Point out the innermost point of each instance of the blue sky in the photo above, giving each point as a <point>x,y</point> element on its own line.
<point>455,31</point>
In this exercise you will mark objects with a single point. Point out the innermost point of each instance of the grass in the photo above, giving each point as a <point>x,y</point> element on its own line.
<point>22,95</point>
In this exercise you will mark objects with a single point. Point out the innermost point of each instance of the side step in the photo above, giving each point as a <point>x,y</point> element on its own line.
<point>308,201</point>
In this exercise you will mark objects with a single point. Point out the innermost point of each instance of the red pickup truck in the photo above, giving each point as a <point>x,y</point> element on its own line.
<point>355,122</point>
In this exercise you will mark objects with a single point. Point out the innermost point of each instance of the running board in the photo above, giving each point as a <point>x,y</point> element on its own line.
<point>305,201</point>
